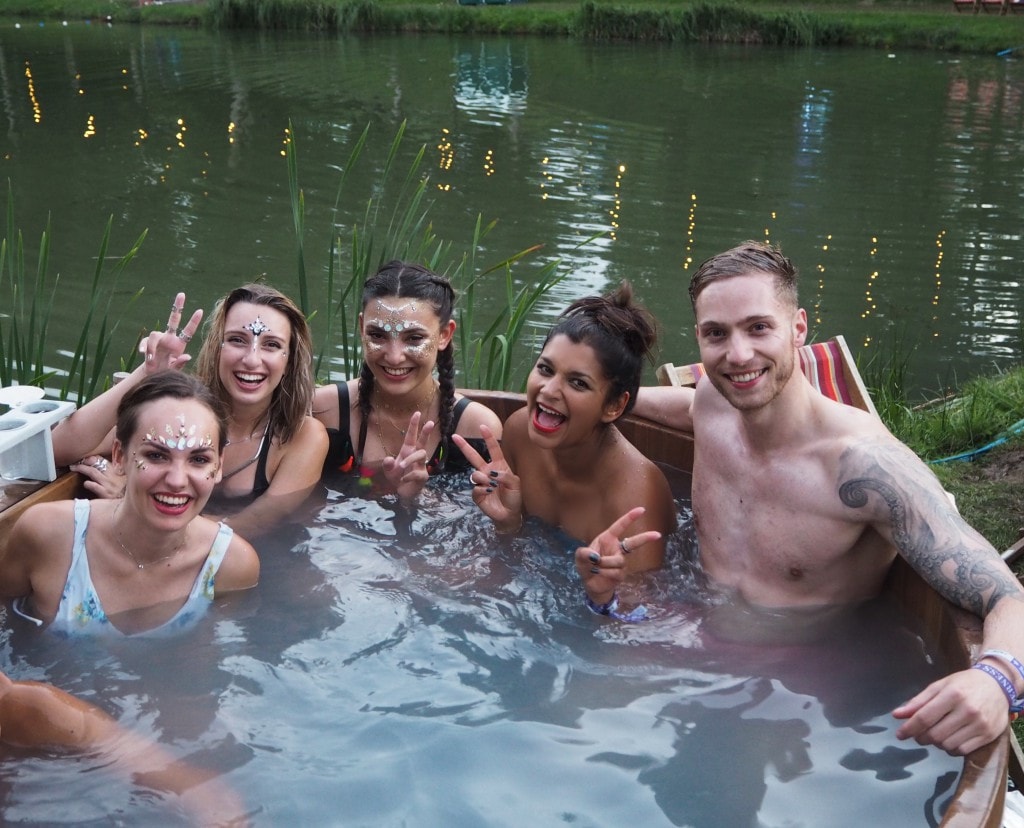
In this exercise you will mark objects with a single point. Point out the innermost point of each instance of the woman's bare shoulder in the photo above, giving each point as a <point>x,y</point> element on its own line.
<point>46,520</point>
<point>475,415</point>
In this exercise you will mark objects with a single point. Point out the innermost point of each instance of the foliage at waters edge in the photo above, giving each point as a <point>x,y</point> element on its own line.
<point>28,303</point>
<point>886,24</point>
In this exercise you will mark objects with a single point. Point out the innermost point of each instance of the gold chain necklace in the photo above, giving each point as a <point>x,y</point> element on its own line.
<point>424,407</point>
<point>246,439</point>
<point>142,564</point>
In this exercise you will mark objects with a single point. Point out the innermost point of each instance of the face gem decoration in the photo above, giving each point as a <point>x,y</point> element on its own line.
<point>256,327</point>
<point>392,322</point>
<point>181,440</point>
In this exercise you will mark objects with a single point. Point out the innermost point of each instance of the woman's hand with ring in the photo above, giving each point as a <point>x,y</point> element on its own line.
<point>408,471</point>
<point>602,564</point>
<point>166,350</point>
<point>100,479</point>
<point>497,489</point>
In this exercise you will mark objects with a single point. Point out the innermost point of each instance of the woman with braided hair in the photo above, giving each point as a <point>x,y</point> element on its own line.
<point>562,459</point>
<point>397,417</point>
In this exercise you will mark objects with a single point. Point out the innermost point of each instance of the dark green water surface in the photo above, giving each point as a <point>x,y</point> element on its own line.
<point>893,180</point>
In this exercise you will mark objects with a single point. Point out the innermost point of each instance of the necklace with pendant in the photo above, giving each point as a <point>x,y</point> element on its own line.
<point>252,459</point>
<point>142,564</point>
<point>423,407</point>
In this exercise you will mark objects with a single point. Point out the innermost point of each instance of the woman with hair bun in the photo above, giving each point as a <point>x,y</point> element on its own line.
<point>562,459</point>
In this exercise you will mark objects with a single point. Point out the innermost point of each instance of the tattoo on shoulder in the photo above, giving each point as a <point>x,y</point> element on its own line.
<point>892,487</point>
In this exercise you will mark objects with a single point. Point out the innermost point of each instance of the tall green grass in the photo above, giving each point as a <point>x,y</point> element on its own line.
<point>27,303</point>
<point>981,410</point>
<point>395,224</point>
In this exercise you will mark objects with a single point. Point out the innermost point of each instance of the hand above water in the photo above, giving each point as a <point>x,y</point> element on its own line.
<point>163,350</point>
<point>101,478</point>
<point>407,472</point>
<point>958,713</point>
<point>496,488</point>
<point>602,564</point>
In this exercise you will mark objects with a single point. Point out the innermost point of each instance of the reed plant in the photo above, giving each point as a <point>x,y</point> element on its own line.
<point>395,224</point>
<point>25,334</point>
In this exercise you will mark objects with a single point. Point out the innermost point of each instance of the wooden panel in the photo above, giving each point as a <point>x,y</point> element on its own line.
<point>64,487</point>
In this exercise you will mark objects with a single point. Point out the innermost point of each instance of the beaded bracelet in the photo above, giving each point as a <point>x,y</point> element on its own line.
<point>603,609</point>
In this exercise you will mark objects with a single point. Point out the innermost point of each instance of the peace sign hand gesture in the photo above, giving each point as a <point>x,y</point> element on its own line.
<point>496,488</point>
<point>602,564</point>
<point>408,471</point>
<point>166,350</point>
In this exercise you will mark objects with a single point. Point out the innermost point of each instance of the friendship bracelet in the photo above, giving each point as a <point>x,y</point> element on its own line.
<point>611,609</point>
<point>1006,657</point>
<point>1004,683</point>
<point>603,609</point>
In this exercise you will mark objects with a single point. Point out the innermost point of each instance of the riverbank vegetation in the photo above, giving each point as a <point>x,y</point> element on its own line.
<point>972,438</point>
<point>887,24</point>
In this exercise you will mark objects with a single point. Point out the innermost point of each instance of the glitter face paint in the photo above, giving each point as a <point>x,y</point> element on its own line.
<point>394,321</point>
<point>181,439</point>
<point>256,327</point>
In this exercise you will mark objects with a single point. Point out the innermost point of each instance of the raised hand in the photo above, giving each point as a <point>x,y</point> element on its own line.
<point>166,350</point>
<point>496,488</point>
<point>407,472</point>
<point>602,564</point>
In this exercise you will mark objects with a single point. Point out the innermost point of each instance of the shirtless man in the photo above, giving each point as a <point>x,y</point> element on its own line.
<point>801,501</point>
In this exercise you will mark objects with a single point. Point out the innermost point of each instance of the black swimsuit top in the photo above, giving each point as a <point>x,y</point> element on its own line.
<point>260,483</point>
<point>341,455</point>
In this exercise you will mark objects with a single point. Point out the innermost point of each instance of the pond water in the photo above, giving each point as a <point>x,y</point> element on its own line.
<point>893,180</point>
<point>413,669</point>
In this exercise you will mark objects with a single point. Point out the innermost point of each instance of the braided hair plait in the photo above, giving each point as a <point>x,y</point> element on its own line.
<point>621,332</point>
<point>365,401</point>
<point>446,385</point>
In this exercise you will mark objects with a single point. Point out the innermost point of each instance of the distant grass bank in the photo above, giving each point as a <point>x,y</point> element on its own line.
<point>887,24</point>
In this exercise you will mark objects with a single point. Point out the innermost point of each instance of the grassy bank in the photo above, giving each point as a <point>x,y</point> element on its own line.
<point>888,24</point>
<point>954,434</point>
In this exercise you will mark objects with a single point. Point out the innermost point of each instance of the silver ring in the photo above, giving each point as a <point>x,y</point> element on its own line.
<point>622,546</point>
<point>184,337</point>
<point>101,464</point>
<point>176,309</point>
<point>149,357</point>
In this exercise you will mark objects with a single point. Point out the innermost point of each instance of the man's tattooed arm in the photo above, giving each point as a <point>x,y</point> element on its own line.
<point>897,494</point>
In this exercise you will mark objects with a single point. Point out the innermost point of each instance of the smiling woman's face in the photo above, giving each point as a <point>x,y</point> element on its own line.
<point>401,339</point>
<point>254,352</point>
<point>172,462</point>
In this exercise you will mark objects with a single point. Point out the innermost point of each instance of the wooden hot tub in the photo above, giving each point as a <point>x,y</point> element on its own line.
<point>979,798</point>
